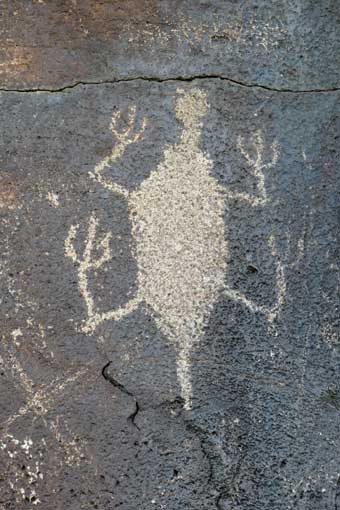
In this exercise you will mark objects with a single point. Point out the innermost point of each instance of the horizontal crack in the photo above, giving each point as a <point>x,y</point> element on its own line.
<point>173,78</point>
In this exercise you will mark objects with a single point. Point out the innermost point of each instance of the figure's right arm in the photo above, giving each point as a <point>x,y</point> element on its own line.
<point>124,139</point>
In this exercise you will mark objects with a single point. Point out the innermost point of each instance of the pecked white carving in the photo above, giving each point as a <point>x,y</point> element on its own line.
<point>179,232</point>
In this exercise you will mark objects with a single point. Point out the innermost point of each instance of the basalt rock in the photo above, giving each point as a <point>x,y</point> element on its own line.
<point>169,313</point>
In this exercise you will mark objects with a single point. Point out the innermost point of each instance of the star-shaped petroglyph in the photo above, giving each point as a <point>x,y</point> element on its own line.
<point>40,403</point>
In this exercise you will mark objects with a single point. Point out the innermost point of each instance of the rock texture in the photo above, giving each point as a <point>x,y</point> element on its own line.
<point>169,190</point>
<point>292,44</point>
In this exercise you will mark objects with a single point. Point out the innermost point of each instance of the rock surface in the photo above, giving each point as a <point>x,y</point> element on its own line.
<point>292,44</point>
<point>170,255</point>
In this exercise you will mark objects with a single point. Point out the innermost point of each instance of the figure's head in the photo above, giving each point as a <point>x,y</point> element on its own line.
<point>191,106</point>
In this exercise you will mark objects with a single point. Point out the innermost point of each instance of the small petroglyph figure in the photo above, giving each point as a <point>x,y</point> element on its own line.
<point>39,404</point>
<point>179,231</point>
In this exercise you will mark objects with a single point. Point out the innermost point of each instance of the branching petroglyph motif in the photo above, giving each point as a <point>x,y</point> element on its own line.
<point>124,139</point>
<point>40,401</point>
<point>179,231</point>
<point>257,166</point>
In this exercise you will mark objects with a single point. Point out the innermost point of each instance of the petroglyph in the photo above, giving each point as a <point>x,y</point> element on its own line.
<point>257,166</point>
<point>177,218</point>
<point>53,199</point>
<point>124,140</point>
<point>39,402</point>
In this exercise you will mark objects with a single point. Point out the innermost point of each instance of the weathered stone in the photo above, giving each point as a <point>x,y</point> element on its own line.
<point>288,44</point>
<point>169,270</point>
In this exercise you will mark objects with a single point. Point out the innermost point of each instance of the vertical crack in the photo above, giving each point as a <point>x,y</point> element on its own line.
<point>113,381</point>
<point>116,384</point>
<point>132,416</point>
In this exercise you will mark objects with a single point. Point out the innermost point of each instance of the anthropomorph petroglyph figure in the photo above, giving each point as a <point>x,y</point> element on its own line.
<point>178,227</point>
<point>39,406</point>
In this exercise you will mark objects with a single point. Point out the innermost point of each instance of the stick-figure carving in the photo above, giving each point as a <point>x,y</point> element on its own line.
<point>39,402</point>
<point>178,227</point>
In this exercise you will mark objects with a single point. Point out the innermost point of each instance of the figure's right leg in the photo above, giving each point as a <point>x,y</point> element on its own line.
<point>111,315</point>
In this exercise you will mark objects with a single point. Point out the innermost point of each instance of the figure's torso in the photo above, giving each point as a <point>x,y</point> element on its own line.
<point>178,225</point>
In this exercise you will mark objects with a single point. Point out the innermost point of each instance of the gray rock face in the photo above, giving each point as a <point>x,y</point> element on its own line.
<point>292,44</point>
<point>170,256</point>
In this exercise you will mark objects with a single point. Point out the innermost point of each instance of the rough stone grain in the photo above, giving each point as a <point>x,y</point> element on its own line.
<point>227,396</point>
<point>292,44</point>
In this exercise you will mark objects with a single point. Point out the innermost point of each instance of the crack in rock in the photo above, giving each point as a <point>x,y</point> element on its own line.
<point>113,381</point>
<point>180,78</point>
<point>133,415</point>
<point>108,377</point>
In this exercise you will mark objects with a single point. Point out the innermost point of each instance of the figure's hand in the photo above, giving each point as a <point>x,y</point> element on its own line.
<point>130,134</point>
<point>124,137</point>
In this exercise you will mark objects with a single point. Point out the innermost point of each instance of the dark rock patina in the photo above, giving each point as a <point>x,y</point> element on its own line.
<point>221,392</point>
